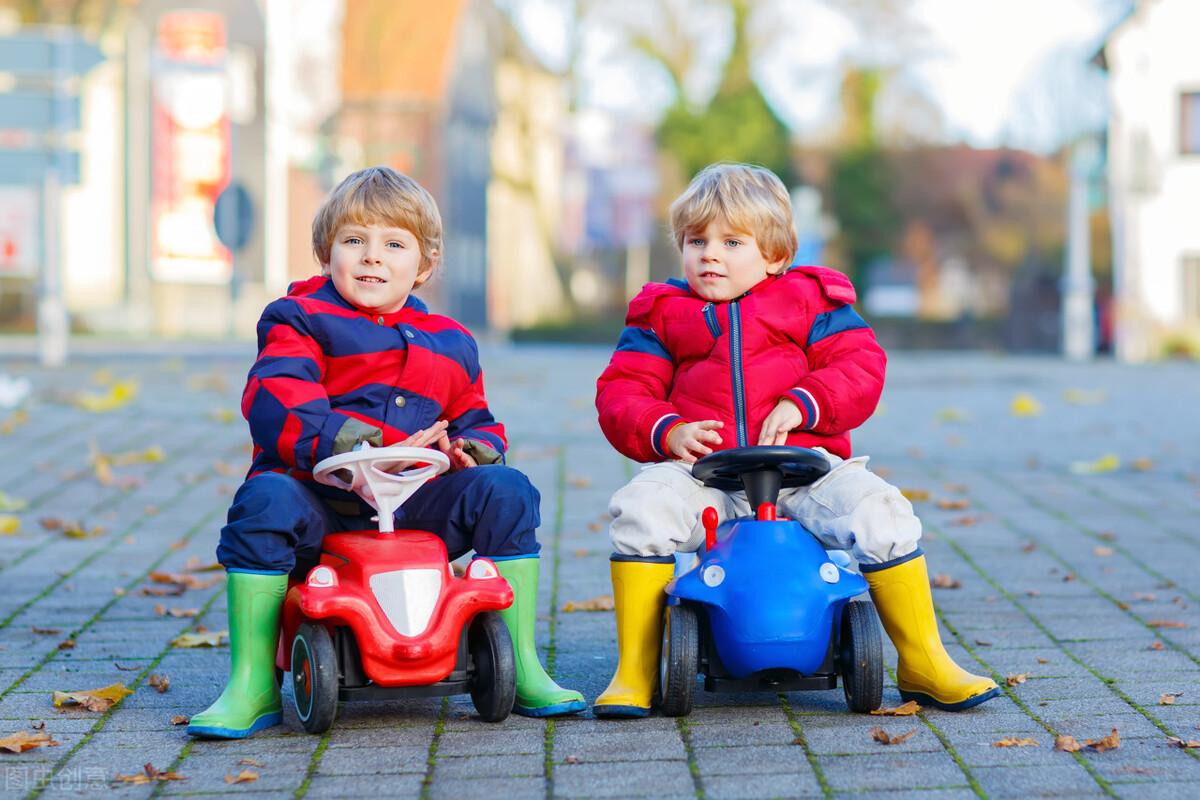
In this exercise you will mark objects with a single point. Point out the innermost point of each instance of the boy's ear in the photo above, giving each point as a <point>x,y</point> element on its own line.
<point>778,267</point>
<point>428,265</point>
<point>325,270</point>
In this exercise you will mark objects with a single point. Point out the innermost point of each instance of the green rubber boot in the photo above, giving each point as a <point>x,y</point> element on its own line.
<point>250,701</point>
<point>537,693</point>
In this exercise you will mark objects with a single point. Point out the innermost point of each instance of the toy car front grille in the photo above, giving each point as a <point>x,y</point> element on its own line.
<point>408,597</point>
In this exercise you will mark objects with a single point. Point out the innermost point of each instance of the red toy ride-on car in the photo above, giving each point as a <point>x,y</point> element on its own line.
<point>383,616</point>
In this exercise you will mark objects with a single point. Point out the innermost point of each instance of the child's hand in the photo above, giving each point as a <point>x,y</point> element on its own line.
<point>458,456</point>
<point>687,442</point>
<point>426,436</point>
<point>783,419</point>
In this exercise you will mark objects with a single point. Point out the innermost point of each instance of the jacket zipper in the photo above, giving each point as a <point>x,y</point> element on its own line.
<point>735,369</point>
<point>710,319</point>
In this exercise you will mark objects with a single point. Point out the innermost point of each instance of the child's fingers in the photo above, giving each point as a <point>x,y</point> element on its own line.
<point>708,436</point>
<point>710,424</point>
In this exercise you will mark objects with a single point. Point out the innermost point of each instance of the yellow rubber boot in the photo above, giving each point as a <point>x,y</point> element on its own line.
<point>638,600</point>
<point>926,673</point>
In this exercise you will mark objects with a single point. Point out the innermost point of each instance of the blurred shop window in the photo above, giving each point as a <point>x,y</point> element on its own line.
<point>1189,133</point>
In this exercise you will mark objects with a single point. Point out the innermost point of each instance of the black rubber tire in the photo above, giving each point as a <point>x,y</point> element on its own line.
<point>493,676</point>
<point>679,660</point>
<point>860,657</point>
<point>314,677</point>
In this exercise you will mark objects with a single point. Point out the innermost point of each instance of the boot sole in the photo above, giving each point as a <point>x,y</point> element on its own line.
<point>569,707</point>
<point>932,702</point>
<point>217,732</point>
<point>620,712</point>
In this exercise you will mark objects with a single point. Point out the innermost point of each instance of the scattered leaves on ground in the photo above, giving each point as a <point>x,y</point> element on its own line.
<point>903,710</point>
<point>1067,744</point>
<point>47,631</point>
<point>66,644</point>
<point>93,699</point>
<point>1016,678</point>
<point>9,524</point>
<point>1142,464</point>
<point>180,719</point>
<point>197,564</point>
<point>950,414</point>
<point>178,613</point>
<point>1110,742</point>
<point>916,495</point>
<point>572,760</point>
<point>966,521</point>
<point>1105,463</point>
<point>1015,742</point>
<point>1166,623</point>
<point>223,415</point>
<point>1155,645</point>
<point>250,762</point>
<point>160,682</point>
<point>149,774</point>
<point>1029,547</point>
<point>883,737</point>
<point>602,603</point>
<point>10,503</point>
<point>595,527</point>
<point>1148,597</point>
<point>1103,552</point>
<point>245,776</point>
<point>15,419</point>
<point>21,741</point>
<point>581,552</point>
<point>983,643</point>
<point>580,481</point>
<point>178,583</point>
<point>953,505</point>
<point>201,639</point>
<point>1041,660</point>
<point>1169,698</point>
<point>1084,397</point>
<point>1025,405</point>
<point>944,581</point>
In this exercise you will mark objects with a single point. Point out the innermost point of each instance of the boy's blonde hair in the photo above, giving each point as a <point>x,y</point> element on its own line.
<point>750,198</point>
<point>380,196</point>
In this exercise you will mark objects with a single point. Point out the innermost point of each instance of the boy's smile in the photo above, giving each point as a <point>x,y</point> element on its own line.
<point>375,267</point>
<point>722,263</point>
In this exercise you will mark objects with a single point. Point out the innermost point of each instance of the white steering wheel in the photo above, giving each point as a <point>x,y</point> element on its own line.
<point>383,476</point>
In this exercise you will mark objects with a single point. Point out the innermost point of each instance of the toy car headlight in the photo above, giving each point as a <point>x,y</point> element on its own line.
<point>482,568</point>
<point>322,577</point>
<point>829,572</point>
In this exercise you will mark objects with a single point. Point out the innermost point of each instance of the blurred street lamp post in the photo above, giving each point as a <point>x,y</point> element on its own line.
<point>1078,314</point>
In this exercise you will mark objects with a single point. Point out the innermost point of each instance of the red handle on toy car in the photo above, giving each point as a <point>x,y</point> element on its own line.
<point>710,520</point>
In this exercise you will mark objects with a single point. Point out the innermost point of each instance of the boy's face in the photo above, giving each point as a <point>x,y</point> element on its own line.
<point>721,263</point>
<point>376,267</point>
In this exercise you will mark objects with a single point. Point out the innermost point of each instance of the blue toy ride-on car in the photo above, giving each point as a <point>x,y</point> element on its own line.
<point>766,608</point>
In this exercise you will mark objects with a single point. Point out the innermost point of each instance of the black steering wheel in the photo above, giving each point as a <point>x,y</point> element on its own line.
<point>762,471</point>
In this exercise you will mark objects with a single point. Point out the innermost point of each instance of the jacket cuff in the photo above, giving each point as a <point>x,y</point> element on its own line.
<point>482,452</point>
<point>347,434</point>
<point>808,406</point>
<point>659,431</point>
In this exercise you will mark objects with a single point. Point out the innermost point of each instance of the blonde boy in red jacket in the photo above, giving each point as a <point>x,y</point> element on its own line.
<point>747,351</point>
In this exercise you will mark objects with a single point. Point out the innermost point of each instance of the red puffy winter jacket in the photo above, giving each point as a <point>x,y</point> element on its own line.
<point>795,335</point>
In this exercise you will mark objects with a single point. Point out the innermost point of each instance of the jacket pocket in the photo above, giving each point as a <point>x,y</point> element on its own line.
<point>710,319</point>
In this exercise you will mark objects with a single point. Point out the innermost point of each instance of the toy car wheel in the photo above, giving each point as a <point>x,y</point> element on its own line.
<point>679,660</point>
<point>493,679</point>
<point>314,677</point>
<point>860,657</point>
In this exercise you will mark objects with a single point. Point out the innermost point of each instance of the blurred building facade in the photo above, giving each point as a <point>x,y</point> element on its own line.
<point>1154,177</point>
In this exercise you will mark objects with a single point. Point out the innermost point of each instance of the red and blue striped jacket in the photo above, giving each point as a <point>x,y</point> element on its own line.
<point>329,375</point>
<point>683,359</point>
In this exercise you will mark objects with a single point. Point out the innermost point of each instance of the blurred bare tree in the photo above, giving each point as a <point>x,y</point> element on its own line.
<point>95,17</point>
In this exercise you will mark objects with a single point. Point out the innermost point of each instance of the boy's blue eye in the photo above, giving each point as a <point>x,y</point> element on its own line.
<point>399,245</point>
<point>353,240</point>
<point>696,243</point>
<point>732,243</point>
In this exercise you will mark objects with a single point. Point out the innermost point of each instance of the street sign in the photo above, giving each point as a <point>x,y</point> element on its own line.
<point>233,216</point>
<point>29,167</point>
<point>38,111</point>
<point>34,53</point>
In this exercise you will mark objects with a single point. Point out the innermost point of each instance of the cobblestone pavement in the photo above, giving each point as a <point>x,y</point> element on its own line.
<point>1079,582</point>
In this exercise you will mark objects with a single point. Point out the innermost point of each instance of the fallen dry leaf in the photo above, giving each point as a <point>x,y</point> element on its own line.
<point>93,699</point>
<point>1110,742</point>
<point>943,581</point>
<point>1041,660</point>
<point>581,552</point>
<point>594,527</point>
<point>9,524</point>
<point>1146,597</point>
<point>197,564</point>
<point>174,590</point>
<point>250,762</point>
<point>1184,743</point>
<point>1025,405</point>
<point>1103,552</point>
<point>580,481</point>
<point>1084,397</point>
<point>916,495</point>
<point>966,521</point>
<point>1014,742</point>
<point>78,530</point>
<point>954,505</point>
<point>1166,623</point>
<point>47,631</point>
<point>66,644</point>
<point>1016,678</point>
<point>119,394</point>
<point>602,603</point>
<point>572,760</point>
<point>983,643</point>
<point>245,776</point>
<point>903,710</point>
<point>1155,645</point>
<point>1107,536</point>
<point>180,719</point>
<point>883,737</point>
<point>201,639</point>
<point>160,682</point>
<point>1029,547</point>
<point>10,503</point>
<point>1067,744</point>
<point>149,774</point>
<point>21,741</point>
<point>184,579</point>
<point>1169,698</point>
<point>14,420</point>
<point>1105,463</point>
<point>178,613</point>
<point>1142,464</point>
